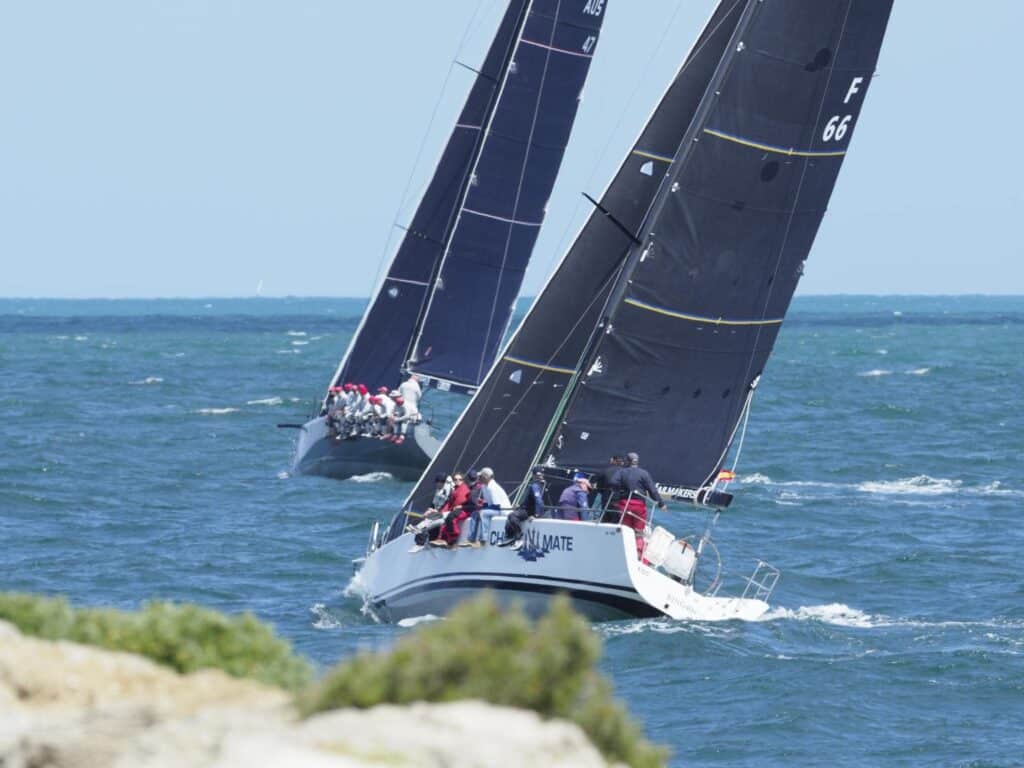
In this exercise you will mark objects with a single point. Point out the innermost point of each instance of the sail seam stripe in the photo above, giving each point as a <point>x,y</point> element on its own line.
<point>403,280</point>
<point>652,156</point>
<point>468,126</point>
<point>540,366</point>
<point>768,147</point>
<point>699,318</point>
<point>558,50</point>
<point>504,218</point>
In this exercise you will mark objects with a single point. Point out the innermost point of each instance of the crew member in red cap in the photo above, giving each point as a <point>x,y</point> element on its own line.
<point>398,424</point>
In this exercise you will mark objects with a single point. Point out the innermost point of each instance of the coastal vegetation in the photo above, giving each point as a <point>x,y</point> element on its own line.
<point>481,651</point>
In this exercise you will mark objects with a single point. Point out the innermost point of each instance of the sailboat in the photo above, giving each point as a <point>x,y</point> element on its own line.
<point>445,303</point>
<point>653,333</point>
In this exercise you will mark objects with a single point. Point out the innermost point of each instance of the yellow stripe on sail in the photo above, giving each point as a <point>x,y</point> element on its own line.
<point>698,318</point>
<point>538,366</point>
<point>769,148</point>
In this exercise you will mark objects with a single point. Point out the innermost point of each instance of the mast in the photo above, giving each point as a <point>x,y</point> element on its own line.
<point>503,208</point>
<point>378,349</point>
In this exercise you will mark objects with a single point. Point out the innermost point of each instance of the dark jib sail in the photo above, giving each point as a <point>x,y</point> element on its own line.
<point>503,207</point>
<point>378,351</point>
<point>658,323</point>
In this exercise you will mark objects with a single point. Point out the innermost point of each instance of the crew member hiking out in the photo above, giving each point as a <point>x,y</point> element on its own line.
<point>456,509</point>
<point>631,484</point>
<point>496,501</point>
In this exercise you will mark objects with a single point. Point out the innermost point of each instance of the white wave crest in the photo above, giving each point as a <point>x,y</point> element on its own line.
<point>299,343</point>
<point>919,372</point>
<point>147,380</point>
<point>371,477</point>
<point>876,372</point>
<point>756,479</point>
<point>283,475</point>
<point>412,621</point>
<point>265,401</point>
<point>920,485</point>
<point>324,619</point>
<point>81,338</point>
<point>216,411</point>
<point>836,614</point>
<point>288,351</point>
<point>295,333</point>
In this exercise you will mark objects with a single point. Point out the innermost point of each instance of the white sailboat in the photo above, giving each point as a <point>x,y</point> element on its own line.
<point>653,334</point>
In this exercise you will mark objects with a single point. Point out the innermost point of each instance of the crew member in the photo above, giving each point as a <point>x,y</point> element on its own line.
<point>602,489</point>
<point>411,393</point>
<point>455,510</point>
<point>495,501</point>
<point>573,501</point>
<point>631,485</point>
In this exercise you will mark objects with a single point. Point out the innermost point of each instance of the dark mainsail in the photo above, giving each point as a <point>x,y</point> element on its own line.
<point>445,302</point>
<point>658,323</point>
<point>503,207</point>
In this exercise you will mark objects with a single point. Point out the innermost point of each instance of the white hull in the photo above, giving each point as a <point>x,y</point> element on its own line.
<point>594,564</point>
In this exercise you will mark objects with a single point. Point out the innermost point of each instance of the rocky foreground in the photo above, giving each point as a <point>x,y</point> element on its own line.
<point>64,705</point>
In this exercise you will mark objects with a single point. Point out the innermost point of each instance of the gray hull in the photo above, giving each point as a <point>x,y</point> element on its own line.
<point>320,453</point>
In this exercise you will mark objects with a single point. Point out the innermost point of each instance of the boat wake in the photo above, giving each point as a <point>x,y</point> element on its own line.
<point>412,621</point>
<point>324,618</point>
<point>919,485</point>
<point>265,401</point>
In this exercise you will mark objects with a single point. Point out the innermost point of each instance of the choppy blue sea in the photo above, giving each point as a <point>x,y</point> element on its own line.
<point>882,474</point>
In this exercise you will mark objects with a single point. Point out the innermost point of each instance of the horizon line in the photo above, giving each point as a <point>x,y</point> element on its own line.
<point>314,297</point>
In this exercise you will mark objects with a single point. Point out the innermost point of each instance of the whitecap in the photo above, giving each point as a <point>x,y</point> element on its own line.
<point>147,380</point>
<point>283,475</point>
<point>897,313</point>
<point>995,488</point>
<point>919,484</point>
<point>81,338</point>
<point>295,333</point>
<point>216,411</point>
<point>876,372</point>
<point>61,338</point>
<point>299,343</point>
<point>289,351</point>
<point>412,621</point>
<point>882,351</point>
<point>919,372</point>
<point>836,614</point>
<point>265,401</point>
<point>207,306</point>
<point>371,477</point>
<point>324,619</point>
<point>756,479</point>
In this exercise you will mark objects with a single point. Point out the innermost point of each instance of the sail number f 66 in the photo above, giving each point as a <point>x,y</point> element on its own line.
<point>838,125</point>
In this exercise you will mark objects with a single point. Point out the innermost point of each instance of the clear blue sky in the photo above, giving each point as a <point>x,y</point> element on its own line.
<point>198,147</point>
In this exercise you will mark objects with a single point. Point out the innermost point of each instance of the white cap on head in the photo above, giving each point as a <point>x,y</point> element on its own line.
<point>486,471</point>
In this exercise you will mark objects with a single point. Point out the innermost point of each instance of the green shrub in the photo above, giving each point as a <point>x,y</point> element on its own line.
<point>181,636</point>
<point>482,652</point>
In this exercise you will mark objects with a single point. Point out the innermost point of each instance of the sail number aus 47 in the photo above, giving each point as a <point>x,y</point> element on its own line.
<point>838,125</point>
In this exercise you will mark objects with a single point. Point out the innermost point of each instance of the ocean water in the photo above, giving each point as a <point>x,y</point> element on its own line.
<point>882,473</point>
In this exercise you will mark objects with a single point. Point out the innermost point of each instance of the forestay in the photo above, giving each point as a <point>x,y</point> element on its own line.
<point>503,206</point>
